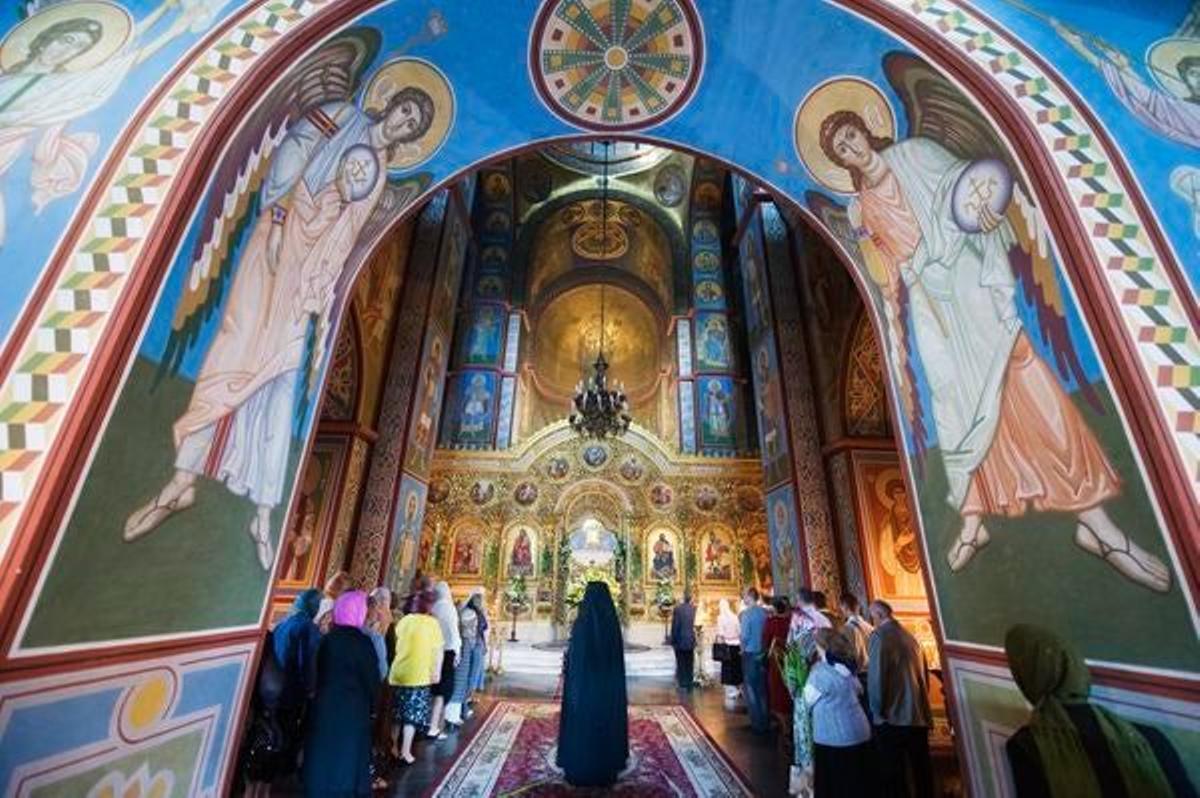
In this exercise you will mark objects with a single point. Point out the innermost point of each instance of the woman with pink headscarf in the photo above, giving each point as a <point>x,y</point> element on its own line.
<point>337,753</point>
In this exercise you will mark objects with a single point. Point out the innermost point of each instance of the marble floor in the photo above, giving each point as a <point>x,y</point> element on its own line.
<point>757,758</point>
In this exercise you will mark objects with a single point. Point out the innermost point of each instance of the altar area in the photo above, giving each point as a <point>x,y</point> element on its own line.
<point>534,524</point>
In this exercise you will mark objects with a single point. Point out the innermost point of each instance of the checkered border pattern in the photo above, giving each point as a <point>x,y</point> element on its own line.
<point>1150,310</point>
<point>52,360</point>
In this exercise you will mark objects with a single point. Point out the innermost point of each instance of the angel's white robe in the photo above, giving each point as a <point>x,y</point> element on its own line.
<point>1008,433</point>
<point>33,103</point>
<point>237,427</point>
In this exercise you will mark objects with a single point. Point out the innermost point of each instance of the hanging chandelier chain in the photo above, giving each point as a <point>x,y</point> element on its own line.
<point>599,410</point>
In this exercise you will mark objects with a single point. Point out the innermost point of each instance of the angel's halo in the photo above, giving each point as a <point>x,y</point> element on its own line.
<point>1163,58</point>
<point>116,28</point>
<point>843,93</point>
<point>418,73</point>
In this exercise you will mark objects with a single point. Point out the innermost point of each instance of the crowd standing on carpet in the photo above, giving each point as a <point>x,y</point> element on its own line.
<point>849,698</point>
<point>353,680</point>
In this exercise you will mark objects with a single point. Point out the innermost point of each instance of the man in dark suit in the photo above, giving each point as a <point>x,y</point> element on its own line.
<point>683,640</point>
<point>898,691</point>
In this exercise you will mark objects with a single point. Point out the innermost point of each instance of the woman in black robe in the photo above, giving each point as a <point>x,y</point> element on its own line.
<point>337,752</point>
<point>593,729</point>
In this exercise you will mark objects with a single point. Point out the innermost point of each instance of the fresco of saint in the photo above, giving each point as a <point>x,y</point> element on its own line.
<point>948,242</point>
<point>718,413</point>
<point>476,408</point>
<point>60,64</point>
<point>320,186</point>
<point>521,561</point>
<point>662,566</point>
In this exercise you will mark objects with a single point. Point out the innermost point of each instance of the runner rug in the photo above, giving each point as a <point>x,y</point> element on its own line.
<point>512,754</point>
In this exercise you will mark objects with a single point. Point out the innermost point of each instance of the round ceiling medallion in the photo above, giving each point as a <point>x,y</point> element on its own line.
<point>616,64</point>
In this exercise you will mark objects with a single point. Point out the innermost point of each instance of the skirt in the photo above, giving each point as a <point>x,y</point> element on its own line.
<point>731,668</point>
<point>445,686</point>
<point>841,771</point>
<point>412,706</point>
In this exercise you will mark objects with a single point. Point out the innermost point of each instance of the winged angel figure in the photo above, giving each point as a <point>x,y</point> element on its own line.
<point>304,177</point>
<point>949,234</point>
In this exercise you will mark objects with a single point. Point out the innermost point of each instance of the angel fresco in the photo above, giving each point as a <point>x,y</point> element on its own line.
<point>949,235</point>
<point>304,178</point>
<point>61,63</point>
<point>1169,103</point>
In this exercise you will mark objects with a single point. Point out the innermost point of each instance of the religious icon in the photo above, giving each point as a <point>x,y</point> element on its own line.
<point>760,552</point>
<point>520,563</point>
<point>483,342</point>
<point>61,63</point>
<point>718,557</point>
<point>631,468</point>
<point>712,341</point>
<point>321,186</point>
<point>303,531</point>
<point>897,542</point>
<point>709,292</point>
<point>662,563</point>
<point>592,545</point>
<point>717,427</point>
<point>475,423</point>
<point>526,493</point>
<point>661,495</point>
<point>558,468</point>
<point>489,287</point>
<point>669,186</point>
<point>705,232</point>
<point>707,498</point>
<point>496,187</point>
<point>595,455</point>
<point>1003,419</point>
<point>482,491</point>
<point>706,261</point>
<point>439,490</point>
<point>428,402</point>
<point>467,559</point>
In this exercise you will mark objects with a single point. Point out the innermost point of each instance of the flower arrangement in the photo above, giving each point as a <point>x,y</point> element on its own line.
<point>579,583</point>
<point>664,594</point>
<point>516,595</point>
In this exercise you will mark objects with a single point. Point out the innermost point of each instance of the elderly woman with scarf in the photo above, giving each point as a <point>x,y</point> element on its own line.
<point>447,618</point>
<point>294,644</point>
<point>806,620</point>
<point>471,627</point>
<point>1072,748</point>
<point>337,754</point>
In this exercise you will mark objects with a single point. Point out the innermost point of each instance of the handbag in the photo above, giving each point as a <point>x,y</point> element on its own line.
<point>721,652</point>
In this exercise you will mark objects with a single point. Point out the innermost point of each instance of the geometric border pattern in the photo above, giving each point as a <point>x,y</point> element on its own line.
<point>74,316</point>
<point>1150,310</point>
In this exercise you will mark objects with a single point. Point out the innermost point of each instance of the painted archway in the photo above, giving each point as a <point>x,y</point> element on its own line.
<point>108,290</point>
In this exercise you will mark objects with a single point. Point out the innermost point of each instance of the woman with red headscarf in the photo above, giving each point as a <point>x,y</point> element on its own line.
<point>337,754</point>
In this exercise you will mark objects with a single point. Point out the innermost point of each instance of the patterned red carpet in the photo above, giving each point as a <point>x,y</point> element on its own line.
<point>513,754</point>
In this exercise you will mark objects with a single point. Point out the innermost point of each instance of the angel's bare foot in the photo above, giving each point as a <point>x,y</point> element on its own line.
<point>1096,533</point>
<point>973,537</point>
<point>260,533</point>
<point>178,494</point>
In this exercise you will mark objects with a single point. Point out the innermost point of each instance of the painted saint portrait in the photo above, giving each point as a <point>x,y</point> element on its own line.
<point>662,546</point>
<point>781,523</point>
<point>429,400</point>
<point>310,516</point>
<point>526,493</point>
<point>522,558</point>
<point>485,337</point>
<point>476,407</point>
<point>466,558</point>
<point>60,64</point>
<point>320,187</point>
<point>1012,440</point>
<point>716,411</point>
<point>889,531</point>
<point>716,561</point>
<point>592,545</point>
<point>712,341</point>
<point>406,534</point>
<point>662,495</point>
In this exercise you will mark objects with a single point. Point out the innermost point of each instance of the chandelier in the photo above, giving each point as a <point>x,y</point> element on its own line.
<point>600,411</point>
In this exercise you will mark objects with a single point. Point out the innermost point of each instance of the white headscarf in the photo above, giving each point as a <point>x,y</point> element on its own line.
<point>729,628</point>
<point>323,610</point>
<point>447,617</point>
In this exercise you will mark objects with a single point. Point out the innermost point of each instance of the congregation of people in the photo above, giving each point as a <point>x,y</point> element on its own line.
<point>356,680</point>
<point>848,698</point>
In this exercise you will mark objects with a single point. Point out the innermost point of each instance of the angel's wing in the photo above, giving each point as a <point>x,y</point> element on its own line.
<point>938,110</point>
<point>330,74</point>
<point>1032,262</point>
<point>895,312</point>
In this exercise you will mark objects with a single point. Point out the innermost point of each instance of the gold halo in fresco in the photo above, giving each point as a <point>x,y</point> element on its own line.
<point>1163,58</point>
<point>112,23</point>
<point>883,485</point>
<point>605,65</point>
<point>838,94</point>
<point>415,73</point>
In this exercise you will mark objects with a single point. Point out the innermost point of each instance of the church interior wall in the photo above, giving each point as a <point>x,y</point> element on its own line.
<point>116,293</point>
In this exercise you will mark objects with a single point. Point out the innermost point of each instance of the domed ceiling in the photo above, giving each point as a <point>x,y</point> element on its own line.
<point>588,157</point>
<point>568,338</point>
